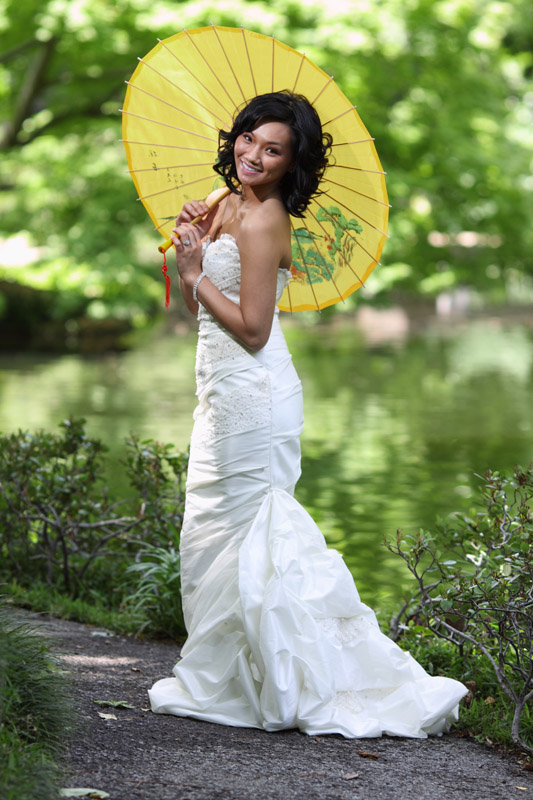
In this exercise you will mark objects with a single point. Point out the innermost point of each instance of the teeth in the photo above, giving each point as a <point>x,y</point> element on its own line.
<point>248,166</point>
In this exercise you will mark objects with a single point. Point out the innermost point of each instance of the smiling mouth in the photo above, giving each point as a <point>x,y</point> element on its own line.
<point>248,167</point>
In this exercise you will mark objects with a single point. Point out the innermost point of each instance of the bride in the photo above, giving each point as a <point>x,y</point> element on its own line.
<point>277,635</point>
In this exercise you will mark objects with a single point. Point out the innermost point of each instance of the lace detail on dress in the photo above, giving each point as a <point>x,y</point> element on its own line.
<point>217,349</point>
<point>356,702</point>
<point>243,409</point>
<point>344,629</point>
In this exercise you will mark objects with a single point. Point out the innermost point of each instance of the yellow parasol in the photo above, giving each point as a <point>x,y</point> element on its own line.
<point>190,86</point>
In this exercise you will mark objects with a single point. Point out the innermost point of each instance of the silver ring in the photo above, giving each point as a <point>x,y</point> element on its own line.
<point>186,242</point>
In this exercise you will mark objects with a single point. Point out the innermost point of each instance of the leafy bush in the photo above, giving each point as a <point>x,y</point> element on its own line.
<point>35,714</point>
<point>157,591</point>
<point>157,474</point>
<point>59,525</point>
<point>475,589</point>
<point>53,504</point>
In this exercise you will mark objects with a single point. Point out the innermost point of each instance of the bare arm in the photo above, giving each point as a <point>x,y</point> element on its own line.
<point>186,292</point>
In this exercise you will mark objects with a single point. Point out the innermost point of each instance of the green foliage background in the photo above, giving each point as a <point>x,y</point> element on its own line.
<point>443,85</point>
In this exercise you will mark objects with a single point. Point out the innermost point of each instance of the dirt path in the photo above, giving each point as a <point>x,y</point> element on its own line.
<point>143,756</point>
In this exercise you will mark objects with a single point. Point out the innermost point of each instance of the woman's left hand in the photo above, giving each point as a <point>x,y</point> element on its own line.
<point>188,244</point>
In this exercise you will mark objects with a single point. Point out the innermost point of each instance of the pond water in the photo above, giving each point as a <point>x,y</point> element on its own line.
<point>395,433</point>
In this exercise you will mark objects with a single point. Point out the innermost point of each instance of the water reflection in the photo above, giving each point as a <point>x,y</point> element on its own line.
<point>393,434</point>
<point>487,348</point>
<point>149,390</point>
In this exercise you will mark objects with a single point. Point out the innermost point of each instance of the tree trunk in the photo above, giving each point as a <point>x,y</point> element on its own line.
<point>30,86</point>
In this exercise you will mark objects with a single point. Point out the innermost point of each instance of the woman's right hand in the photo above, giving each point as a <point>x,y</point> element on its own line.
<point>193,209</point>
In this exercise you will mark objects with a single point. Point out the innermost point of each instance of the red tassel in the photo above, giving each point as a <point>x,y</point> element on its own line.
<point>164,270</point>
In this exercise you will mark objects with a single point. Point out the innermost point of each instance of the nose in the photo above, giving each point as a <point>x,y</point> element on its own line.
<point>253,154</point>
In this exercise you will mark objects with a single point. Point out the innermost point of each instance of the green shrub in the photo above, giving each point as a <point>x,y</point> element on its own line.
<point>157,476</point>
<point>58,523</point>
<point>475,591</point>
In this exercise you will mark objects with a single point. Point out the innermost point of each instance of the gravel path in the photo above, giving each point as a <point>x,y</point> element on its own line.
<point>144,756</point>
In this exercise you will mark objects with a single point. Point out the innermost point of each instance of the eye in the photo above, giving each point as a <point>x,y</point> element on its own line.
<point>247,137</point>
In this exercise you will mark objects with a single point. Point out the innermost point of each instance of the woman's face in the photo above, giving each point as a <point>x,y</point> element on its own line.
<point>263,155</point>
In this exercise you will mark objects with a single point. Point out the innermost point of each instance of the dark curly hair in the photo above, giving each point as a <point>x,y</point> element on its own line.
<point>310,146</point>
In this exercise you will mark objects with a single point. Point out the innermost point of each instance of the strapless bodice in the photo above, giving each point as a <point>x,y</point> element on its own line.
<point>221,263</point>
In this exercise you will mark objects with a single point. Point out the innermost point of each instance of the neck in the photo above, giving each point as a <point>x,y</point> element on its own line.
<point>254,196</point>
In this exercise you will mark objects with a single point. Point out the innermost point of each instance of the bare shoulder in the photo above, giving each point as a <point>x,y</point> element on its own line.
<point>267,225</point>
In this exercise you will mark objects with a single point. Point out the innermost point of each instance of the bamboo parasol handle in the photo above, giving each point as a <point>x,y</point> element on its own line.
<point>212,200</point>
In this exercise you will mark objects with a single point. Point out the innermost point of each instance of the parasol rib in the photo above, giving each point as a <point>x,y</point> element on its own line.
<point>174,188</point>
<point>167,219</point>
<point>289,295</point>
<point>306,269</point>
<point>168,125</point>
<point>249,61</point>
<point>180,89</point>
<point>177,108</point>
<point>273,65</point>
<point>340,253</point>
<point>356,141</point>
<point>359,169</point>
<point>229,64</point>
<point>174,146</point>
<point>373,259</point>
<point>171,166</point>
<point>299,70</point>
<point>323,89</point>
<point>232,101</point>
<point>356,215</point>
<point>361,194</point>
<point>358,243</point>
<point>343,114</point>
<point>322,257</point>
<point>354,191</point>
<point>197,79</point>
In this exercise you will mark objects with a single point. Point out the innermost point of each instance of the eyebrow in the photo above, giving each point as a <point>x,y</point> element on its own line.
<point>278,144</point>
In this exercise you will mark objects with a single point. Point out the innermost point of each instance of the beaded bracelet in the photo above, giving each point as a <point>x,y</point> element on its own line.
<point>196,285</point>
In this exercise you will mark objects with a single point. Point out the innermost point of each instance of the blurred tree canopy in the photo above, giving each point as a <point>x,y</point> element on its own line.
<point>445,87</point>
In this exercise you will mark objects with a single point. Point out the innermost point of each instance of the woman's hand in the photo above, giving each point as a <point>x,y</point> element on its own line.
<point>194,209</point>
<point>187,240</point>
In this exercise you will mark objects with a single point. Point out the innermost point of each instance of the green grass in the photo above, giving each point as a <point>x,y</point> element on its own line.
<point>40,597</point>
<point>35,714</point>
<point>27,772</point>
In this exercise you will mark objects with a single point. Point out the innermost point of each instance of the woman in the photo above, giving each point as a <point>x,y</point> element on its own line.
<point>277,635</point>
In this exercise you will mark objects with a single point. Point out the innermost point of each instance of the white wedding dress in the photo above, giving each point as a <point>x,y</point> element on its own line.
<point>277,635</point>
